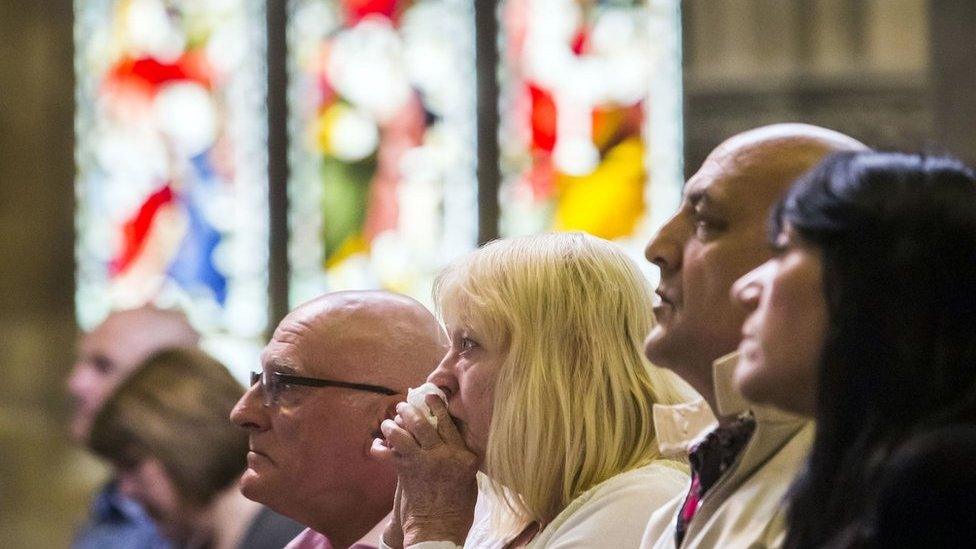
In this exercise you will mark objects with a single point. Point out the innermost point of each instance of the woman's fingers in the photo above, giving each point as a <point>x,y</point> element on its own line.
<point>380,449</point>
<point>437,486</point>
<point>397,438</point>
<point>446,428</point>
<point>418,425</point>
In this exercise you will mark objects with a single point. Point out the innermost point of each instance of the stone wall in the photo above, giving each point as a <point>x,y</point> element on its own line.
<point>862,67</point>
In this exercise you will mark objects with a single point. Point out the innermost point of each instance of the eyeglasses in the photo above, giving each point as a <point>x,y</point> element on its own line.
<point>272,384</point>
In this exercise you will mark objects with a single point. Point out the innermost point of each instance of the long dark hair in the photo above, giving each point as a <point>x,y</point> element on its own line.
<point>897,234</point>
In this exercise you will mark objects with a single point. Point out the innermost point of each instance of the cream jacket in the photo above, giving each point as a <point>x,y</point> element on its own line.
<point>611,514</point>
<point>745,508</point>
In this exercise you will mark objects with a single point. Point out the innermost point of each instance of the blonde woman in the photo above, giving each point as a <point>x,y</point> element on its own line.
<point>548,395</point>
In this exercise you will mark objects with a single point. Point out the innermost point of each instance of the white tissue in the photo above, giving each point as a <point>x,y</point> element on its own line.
<point>415,398</point>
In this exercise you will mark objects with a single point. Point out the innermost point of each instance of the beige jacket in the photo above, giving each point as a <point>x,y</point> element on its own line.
<point>611,514</point>
<point>745,508</point>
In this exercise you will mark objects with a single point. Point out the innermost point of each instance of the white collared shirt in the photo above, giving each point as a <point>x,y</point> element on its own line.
<point>745,507</point>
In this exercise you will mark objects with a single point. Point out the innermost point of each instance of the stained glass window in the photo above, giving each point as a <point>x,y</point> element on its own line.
<point>382,135</point>
<point>171,185</point>
<point>590,116</point>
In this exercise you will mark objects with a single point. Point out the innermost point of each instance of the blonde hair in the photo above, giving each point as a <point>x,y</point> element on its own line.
<point>574,396</point>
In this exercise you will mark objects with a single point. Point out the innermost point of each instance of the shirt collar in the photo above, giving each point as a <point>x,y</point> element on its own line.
<point>679,425</point>
<point>730,401</point>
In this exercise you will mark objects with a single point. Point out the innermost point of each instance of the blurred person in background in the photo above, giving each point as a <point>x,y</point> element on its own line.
<point>165,429</point>
<point>334,369</point>
<point>106,355</point>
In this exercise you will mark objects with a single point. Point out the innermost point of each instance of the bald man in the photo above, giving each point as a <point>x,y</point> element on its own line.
<point>335,368</point>
<point>743,463</point>
<point>106,355</point>
<point>111,351</point>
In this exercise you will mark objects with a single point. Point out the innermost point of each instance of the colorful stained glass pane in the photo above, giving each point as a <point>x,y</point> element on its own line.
<point>382,191</point>
<point>171,183</point>
<point>590,116</point>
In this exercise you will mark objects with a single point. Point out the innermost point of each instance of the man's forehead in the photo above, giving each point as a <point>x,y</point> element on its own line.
<point>274,360</point>
<point>305,345</point>
<point>285,353</point>
<point>111,340</point>
<point>745,180</point>
<point>136,333</point>
<point>716,186</point>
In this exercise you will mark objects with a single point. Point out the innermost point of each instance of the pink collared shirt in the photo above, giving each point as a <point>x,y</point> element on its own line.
<point>310,539</point>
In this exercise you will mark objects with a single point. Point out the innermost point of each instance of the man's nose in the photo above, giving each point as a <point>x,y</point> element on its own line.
<point>665,248</point>
<point>249,412</point>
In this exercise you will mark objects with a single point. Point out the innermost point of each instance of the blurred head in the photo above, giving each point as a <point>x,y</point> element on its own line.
<point>545,374</point>
<point>893,239</point>
<point>112,350</point>
<point>309,456</point>
<point>165,428</point>
<point>717,235</point>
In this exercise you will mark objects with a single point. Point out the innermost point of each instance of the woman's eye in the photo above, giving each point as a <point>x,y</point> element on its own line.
<point>467,344</point>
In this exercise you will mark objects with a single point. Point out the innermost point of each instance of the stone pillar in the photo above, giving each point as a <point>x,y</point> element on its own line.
<point>44,482</point>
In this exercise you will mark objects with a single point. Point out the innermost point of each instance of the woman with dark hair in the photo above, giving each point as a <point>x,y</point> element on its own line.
<point>866,320</point>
